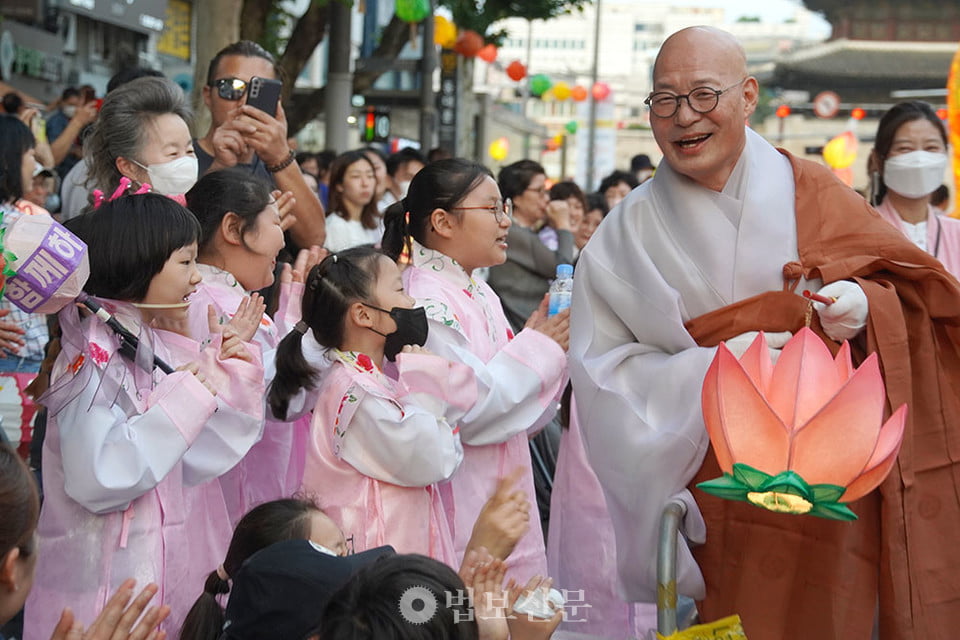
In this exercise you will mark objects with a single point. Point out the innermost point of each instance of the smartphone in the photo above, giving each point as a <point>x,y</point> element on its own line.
<point>264,94</point>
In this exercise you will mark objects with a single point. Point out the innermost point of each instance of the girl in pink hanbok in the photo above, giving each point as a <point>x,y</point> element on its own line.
<point>379,443</point>
<point>456,221</point>
<point>241,235</point>
<point>132,454</point>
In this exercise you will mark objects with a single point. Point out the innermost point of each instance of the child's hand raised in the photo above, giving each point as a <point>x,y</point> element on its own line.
<point>116,621</point>
<point>483,576</point>
<point>306,260</point>
<point>504,519</point>
<point>244,322</point>
<point>285,203</point>
<point>194,368</point>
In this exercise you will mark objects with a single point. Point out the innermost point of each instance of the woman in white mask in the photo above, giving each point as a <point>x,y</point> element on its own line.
<point>142,133</point>
<point>908,162</point>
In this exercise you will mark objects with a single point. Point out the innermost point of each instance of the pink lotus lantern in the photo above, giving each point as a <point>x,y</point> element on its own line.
<point>805,435</point>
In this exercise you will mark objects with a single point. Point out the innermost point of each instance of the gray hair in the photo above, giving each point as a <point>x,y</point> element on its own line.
<point>121,129</point>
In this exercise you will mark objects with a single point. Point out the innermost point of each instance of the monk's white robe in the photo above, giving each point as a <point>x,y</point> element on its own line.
<point>672,251</point>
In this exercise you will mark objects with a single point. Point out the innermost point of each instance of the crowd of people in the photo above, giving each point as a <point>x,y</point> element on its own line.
<point>342,409</point>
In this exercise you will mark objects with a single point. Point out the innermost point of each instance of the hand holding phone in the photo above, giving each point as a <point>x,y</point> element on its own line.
<point>264,94</point>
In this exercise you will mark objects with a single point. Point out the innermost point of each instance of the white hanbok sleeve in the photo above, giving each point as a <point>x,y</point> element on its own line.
<point>517,389</point>
<point>411,440</point>
<point>110,459</point>
<point>637,377</point>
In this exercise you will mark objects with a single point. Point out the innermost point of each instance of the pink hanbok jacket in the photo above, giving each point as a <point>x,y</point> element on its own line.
<point>519,381</point>
<point>943,234</point>
<point>129,469</point>
<point>273,468</point>
<point>378,447</point>
<point>582,551</point>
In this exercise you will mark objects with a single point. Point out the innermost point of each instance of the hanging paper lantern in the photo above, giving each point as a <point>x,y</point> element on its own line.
<point>804,435</point>
<point>547,96</point>
<point>516,71</point>
<point>558,138</point>
<point>552,144</point>
<point>412,10</point>
<point>953,118</point>
<point>601,90</point>
<point>488,53</point>
<point>578,93</point>
<point>444,32</point>
<point>468,43</point>
<point>499,149</point>
<point>571,127</point>
<point>540,84</point>
<point>841,151</point>
<point>562,91</point>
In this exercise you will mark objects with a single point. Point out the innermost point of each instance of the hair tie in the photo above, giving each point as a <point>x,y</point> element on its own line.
<point>406,216</point>
<point>335,257</point>
<point>301,327</point>
<point>222,574</point>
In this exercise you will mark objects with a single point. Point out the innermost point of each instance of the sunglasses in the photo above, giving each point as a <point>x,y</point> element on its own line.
<point>230,88</point>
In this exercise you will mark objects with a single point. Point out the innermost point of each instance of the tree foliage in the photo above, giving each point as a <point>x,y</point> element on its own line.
<point>293,38</point>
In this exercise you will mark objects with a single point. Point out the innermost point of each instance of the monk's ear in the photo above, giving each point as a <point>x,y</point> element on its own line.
<point>751,95</point>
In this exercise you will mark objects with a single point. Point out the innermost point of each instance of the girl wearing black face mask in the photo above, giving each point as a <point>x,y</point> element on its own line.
<point>379,443</point>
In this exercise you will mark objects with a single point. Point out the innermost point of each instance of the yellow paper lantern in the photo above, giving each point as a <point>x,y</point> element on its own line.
<point>499,149</point>
<point>558,138</point>
<point>841,151</point>
<point>561,91</point>
<point>444,32</point>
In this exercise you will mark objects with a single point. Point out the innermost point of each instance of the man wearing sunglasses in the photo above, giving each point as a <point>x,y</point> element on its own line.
<point>715,247</point>
<point>242,135</point>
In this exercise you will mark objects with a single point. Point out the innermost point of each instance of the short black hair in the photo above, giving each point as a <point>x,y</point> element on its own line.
<point>129,74</point>
<point>129,239</point>
<point>70,92</point>
<point>596,201</point>
<point>402,157</point>
<point>616,178</point>
<point>15,140</point>
<point>515,178</point>
<point>12,102</point>
<point>229,190</point>
<point>246,49</point>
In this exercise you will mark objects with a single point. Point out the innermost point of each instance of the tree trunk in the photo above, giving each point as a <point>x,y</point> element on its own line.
<point>253,19</point>
<point>218,24</point>
<point>306,35</point>
<point>303,108</point>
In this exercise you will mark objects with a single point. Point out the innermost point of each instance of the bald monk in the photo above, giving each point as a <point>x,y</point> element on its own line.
<point>715,247</point>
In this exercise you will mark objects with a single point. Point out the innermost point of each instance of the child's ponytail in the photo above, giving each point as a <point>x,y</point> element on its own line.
<point>293,371</point>
<point>205,619</point>
<point>395,231</point>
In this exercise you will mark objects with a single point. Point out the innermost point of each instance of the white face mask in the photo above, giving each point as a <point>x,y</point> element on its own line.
<point>915,174</point>
<point>174,177</point>
<point>69,110</point>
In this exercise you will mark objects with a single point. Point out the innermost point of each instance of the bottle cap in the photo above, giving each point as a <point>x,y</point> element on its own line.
<point>564,270</point>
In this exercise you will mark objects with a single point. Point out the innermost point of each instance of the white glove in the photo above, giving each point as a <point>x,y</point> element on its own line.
<point>847,316</point>
<point>738,345</point>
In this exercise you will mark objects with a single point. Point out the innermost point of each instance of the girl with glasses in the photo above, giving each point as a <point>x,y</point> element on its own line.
<point>452,223</point>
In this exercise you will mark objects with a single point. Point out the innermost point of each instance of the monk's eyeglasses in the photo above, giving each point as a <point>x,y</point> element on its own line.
<point>664,104</point>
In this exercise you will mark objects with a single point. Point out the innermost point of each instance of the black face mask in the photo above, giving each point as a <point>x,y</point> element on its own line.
<point>411,329</point>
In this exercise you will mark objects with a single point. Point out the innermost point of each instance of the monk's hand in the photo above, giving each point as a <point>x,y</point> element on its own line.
<point>846,316</point>
<point>738,345</point>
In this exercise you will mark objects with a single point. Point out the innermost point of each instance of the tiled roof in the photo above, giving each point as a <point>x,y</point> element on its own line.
<point>860,60</point>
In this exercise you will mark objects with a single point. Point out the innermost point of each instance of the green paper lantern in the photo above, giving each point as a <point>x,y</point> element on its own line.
<point>540,84</point>
<point>412,10</point>
<point>571,127</point>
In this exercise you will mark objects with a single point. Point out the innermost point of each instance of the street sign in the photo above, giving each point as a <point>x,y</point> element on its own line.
<point>826,104</point>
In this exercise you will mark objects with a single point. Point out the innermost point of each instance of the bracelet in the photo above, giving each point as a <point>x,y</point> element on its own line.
<point>283,164</point>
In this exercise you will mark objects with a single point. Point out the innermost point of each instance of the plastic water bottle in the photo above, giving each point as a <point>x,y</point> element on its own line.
<point>561,289</point>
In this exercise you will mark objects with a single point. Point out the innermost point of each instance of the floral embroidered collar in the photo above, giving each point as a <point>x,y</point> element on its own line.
<point>359,362</point>
<point>216,275</point>
<point>447,267</point>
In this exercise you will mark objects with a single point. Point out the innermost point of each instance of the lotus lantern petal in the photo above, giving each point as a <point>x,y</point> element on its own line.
<point>804,435</point>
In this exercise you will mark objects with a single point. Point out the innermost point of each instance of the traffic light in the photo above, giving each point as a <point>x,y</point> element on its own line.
<point>376,126</point>
<point>783,111</point>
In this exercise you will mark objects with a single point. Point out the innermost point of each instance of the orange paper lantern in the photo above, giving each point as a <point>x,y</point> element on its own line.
<point>578,93</point>
<point>804,435</point>
<point>488,53</point>
<point>516,71</point>
<point>468,43</point>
